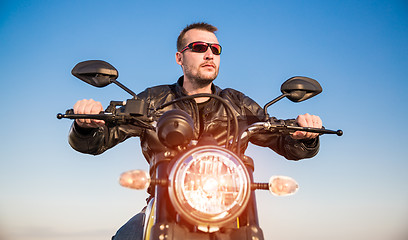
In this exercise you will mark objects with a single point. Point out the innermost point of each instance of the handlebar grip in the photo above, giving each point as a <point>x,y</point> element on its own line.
<point>71,115</point>
<point>292,126</point>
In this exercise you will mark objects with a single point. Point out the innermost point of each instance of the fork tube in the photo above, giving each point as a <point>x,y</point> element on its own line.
<point>162,195</point>
<point>252,212</point>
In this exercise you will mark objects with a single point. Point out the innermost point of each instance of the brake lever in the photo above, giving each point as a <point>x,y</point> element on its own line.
<point>284,128</point>
<point>110,118</point>
<point>106,116</point>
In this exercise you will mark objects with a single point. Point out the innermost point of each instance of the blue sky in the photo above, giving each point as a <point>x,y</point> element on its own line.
<point>355,188</point>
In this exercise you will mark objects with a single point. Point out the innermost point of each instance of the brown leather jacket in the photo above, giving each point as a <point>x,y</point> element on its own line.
<point>214,116</point>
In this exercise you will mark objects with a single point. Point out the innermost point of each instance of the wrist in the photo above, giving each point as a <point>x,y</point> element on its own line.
<point>83,130</point>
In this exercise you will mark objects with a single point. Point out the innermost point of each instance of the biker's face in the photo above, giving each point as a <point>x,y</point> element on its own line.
<point>199,68</point>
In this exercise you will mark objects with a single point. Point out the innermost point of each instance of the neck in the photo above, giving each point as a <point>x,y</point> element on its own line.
<point>192,89</point>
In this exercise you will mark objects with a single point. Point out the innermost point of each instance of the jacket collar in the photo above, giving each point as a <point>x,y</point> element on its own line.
<point>182,92</point>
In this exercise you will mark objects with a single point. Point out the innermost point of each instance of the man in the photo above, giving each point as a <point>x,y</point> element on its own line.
<point>198,54</point>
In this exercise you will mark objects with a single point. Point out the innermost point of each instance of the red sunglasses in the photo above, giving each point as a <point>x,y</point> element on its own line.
<point>202,47</point>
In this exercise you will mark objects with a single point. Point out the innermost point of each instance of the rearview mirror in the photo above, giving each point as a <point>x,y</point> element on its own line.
<point>298,89</point>
<point>98,73</point>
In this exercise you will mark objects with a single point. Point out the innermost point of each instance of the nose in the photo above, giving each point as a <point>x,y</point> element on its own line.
<point>208,55</point>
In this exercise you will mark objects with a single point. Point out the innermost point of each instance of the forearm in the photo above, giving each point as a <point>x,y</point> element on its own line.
<point>285,145</point>
<point>295,149</point>
<point>97,140</point>
<point>84,140</point>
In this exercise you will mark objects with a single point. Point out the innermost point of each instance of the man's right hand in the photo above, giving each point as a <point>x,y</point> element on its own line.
<point>88,107</point>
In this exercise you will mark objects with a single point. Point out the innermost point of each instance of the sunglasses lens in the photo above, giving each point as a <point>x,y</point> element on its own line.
<point>216,49</point>
<point>202,47</point>
<point>199,47</point>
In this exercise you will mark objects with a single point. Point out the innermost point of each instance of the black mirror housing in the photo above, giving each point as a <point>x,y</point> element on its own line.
<point>298,89</point>
<point>98,73</point>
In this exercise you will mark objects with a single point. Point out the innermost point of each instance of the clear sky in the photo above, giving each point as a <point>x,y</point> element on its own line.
<point>355,188</point>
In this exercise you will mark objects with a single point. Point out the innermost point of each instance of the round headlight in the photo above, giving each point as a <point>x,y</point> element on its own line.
<point>209,186</point>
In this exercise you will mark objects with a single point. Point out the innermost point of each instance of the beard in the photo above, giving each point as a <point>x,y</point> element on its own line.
<point>200,78</point>
<point>201,82</point>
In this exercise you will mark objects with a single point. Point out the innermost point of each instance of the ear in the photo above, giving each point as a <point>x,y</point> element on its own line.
<point>179,58</point>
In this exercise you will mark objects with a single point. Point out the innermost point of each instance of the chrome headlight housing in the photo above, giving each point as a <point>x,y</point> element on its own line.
<point>209,186</point>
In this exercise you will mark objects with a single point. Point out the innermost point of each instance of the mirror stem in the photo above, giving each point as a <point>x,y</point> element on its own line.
<point>272,102</point>
<point>125,88</point>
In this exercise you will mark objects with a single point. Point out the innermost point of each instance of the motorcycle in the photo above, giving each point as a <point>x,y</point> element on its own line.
<point>201,190</point>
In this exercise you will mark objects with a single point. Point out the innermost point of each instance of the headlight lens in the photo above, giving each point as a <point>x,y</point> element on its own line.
<point>209,186</point>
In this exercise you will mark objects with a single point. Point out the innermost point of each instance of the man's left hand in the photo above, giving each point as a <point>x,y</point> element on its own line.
<point>307,120</point>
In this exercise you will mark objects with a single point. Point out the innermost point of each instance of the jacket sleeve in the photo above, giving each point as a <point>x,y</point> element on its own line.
<point>285,145</point>
<point>98,140</point>
<point>291,149</point>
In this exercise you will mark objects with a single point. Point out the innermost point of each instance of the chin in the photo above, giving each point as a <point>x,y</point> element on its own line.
<point>208,77</point>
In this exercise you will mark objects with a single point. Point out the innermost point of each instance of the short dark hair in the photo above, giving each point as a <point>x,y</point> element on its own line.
<point>200,25</point>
